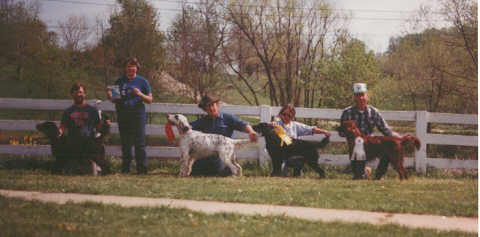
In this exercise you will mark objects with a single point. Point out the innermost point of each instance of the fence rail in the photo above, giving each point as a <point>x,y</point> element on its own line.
<point>264,113</point>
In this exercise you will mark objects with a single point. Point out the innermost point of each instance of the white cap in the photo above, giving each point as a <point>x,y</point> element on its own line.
<point>359,88</point>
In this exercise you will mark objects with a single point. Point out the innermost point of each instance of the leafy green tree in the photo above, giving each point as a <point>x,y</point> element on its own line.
<point>134,31</point>
<point>24,36</point>
<point>353,64</point>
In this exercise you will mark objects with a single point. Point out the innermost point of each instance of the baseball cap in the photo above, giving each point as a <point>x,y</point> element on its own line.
<point>359,88</point>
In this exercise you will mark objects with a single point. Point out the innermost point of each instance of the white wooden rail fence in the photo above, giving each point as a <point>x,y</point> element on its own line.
<point>264,113</point>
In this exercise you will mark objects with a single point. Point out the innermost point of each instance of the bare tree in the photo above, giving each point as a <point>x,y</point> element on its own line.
<point>74,32</point>
<point>194,43</point>
<point>286,37</point>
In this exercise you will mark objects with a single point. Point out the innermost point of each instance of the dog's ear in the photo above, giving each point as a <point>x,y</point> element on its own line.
<point>182,123</point>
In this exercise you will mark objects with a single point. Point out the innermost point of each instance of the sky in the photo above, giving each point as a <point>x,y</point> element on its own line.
<point>373,21</point>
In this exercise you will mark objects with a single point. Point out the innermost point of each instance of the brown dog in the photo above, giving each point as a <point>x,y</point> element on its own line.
<point>388,149</point>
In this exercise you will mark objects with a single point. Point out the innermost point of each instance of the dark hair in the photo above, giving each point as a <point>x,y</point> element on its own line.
<point>76,86</point>
<point>288,109</point>
<point>132,61</point>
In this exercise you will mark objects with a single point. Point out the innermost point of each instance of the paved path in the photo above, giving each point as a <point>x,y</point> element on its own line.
<point>209,207</point>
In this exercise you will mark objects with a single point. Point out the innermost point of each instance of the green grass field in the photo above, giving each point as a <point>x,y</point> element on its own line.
<point>440,193</point>
<point>22,218</point>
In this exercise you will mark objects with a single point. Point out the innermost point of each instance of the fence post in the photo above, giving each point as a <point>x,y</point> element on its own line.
<point>421,122</point>
<point>265,116</point>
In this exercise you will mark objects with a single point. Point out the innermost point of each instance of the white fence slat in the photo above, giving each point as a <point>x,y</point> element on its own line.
<point>317,113</point>
<point>421,133</point>
<point>152,151</point>
<point>441,163</point>
<point>453,118</point>
<point>457,140</point>
<point>34,104</point>
<point>399,115</point>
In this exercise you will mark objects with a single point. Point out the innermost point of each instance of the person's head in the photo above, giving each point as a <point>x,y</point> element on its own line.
<point>209,104</point>
<point>287,113</point>
<point>131,67</point>
<point>360,95</point>
<point>78,93</point>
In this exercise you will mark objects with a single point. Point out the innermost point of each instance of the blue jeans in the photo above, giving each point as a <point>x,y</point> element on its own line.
<point>132,134</point>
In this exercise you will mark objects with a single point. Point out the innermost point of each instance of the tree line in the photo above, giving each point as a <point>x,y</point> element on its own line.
<point>266,52</point>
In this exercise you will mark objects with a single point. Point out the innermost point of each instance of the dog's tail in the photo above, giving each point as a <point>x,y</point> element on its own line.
<point>411,142</point>
<point>242,143</point>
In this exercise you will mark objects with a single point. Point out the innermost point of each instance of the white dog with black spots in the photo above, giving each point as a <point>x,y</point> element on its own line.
<point>196,145</point>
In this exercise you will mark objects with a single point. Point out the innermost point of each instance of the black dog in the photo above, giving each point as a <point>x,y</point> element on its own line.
<point>83,151</point>
<point>295,154</point>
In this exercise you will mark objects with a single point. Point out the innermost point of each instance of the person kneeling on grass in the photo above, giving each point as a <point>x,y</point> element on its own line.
<point>294,130</point>
<point>217,123</point>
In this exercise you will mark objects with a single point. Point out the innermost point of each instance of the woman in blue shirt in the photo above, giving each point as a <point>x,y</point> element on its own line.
<point>132,117</point>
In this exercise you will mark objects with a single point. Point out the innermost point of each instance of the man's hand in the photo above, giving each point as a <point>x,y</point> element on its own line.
<point>60,133</point>
<point>251,133</point>
<point>252,136</point>
<point>321,131</point>
<point>109,96</point>
<point>136,91</point>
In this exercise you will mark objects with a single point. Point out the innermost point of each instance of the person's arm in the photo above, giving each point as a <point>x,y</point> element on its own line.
<point>241,125</point>
<point>316,130</point>
<point>251,133</point>
<point>343,118</point>
<point>61,129</point>
<point>145,93</point>
<point>109,96</point>
<point>382,125</point>
<point>148,98</point>
<point>109,92</point>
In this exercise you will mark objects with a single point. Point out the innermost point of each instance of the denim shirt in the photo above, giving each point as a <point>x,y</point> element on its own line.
<point>224,124</point>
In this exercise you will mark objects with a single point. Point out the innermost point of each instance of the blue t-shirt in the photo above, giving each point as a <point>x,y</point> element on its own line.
<point>129,102</point>
<point>224,124</point>
<point>80,121</point>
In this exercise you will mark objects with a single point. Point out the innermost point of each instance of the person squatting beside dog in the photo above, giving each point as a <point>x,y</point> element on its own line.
<point>80,122</point>
<point>217,123</point>
<point>131,115</point>
<point>294,130</point>
<point>366,118</point>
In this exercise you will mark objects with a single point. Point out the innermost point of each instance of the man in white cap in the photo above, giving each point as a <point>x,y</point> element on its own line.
<point>366,118</point>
